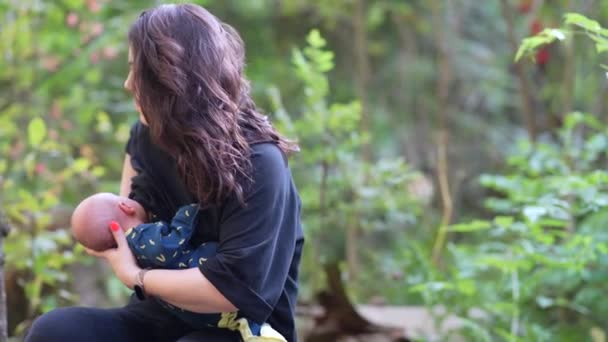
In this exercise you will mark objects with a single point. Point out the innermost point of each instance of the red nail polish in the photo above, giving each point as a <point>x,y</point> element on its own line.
<point>114,226</point>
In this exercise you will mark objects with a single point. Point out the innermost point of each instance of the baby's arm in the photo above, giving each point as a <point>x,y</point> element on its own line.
<point>159,244</point>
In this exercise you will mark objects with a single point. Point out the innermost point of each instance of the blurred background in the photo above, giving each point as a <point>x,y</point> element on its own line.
<point>441,179</point>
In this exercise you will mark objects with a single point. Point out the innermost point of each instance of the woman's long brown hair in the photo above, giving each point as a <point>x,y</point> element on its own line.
<point>188,80</point>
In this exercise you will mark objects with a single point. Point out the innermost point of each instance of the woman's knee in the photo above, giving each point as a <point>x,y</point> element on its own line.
<point>55,325</point>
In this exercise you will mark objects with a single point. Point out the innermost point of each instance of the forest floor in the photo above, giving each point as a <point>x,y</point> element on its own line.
<point>417,322</point>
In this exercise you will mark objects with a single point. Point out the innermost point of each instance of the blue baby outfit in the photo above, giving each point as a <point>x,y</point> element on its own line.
<point>160,245</point>
<point>167,246</point>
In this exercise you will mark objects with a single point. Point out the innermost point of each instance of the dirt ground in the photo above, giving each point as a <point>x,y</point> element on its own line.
<point>416,322</point>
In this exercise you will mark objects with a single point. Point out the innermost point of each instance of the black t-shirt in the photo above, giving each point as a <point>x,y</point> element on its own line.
<point>259,244</point>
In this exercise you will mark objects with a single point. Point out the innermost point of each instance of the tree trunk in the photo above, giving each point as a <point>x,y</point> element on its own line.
<point>4,229</point>
<point>414,143</point>
<point>340,321</point>
<point>361,80</point>
<point>569,76</point>
<point>362,75</point>
<point>443,169</point>
<point>524,87</point>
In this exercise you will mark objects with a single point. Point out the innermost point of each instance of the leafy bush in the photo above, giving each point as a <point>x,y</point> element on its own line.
<point>536,270</point>
<point>56,128</point>
<point>340,191</point>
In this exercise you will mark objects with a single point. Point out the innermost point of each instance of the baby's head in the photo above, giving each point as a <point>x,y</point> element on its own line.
<point>91,219</point>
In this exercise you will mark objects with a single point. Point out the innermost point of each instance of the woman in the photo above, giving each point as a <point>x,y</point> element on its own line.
<point>199,139</point>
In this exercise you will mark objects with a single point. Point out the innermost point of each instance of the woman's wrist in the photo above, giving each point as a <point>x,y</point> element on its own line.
<point>129,276</point>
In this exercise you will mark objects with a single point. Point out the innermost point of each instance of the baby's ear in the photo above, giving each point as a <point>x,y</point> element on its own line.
<point>126,208</point>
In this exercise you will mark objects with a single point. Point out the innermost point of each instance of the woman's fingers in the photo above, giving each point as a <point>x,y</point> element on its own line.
<point>95,253</point>
<point>118,233</point>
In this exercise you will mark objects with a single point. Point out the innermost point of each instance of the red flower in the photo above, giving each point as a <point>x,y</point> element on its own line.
<point>40,168</point>
<point>93,6</point>
<point>524,6</point>
<point>536,26</point>
<point>542,56</point>
<point>72,19</point>
<point>109,52</point>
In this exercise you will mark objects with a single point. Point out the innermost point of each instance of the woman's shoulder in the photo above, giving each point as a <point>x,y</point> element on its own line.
<point>269,161</point>
<point>268,178</point>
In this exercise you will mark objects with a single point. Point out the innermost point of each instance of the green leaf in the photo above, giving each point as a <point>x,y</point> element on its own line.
<point>470,227</point>
<point>36,131</point>
<point>601,47</point>
<point>81,164</point>
<point>550,222</point>
<point>73,4</point>
<point>477,329</point>
<point>582,21</point>
<point>93,76</point>
<point>315,40</point>
<point>504,221</point>
<point>432,287</point>
<point>466,287</point>
<point>530,44</point>
<point>577,118</point>
<point>98,171</point>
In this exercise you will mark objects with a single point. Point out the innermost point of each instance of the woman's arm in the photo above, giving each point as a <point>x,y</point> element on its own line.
<point>187,289</point>
<point>127,173</point>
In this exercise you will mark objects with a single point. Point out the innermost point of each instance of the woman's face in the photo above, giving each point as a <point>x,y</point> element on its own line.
<point>129,87</point>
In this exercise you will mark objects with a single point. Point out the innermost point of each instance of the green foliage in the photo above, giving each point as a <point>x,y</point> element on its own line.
<point>534,270</point>
<point>64,120</point>
<point>338,189</point>
<point>55,132</point>
<point>531,44</point>
<point>531,260</point>
<point>573,23</point>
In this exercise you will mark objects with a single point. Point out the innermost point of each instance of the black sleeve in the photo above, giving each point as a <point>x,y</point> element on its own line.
<point>256,241</point>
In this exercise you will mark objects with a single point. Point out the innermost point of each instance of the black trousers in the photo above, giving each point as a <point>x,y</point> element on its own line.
<point>137,321</point>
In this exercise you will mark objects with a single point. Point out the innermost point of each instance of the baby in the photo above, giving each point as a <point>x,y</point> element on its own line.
<point>159,245</point>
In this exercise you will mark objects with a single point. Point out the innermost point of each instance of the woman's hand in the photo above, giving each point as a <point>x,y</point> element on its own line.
<point>121,258</point>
